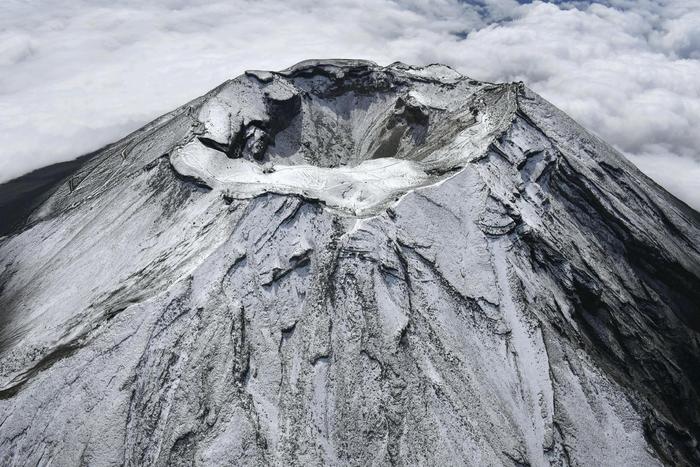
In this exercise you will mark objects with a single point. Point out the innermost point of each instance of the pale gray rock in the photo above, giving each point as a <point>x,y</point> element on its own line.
<point>348,264</point>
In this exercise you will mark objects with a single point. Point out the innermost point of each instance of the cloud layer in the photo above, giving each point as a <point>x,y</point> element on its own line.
<point>78,74</point>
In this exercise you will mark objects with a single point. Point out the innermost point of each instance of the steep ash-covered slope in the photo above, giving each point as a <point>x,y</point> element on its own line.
<point>348,264</point>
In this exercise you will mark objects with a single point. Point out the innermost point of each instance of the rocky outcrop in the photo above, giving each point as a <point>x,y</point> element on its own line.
<point>348,264</point>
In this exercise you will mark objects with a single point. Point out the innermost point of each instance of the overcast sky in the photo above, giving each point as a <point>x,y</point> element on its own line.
<point>78,74</point>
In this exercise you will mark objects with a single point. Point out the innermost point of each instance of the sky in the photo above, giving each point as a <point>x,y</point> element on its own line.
<point>78,74</point>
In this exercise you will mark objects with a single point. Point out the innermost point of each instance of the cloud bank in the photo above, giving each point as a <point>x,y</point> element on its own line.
<point>78,74</point>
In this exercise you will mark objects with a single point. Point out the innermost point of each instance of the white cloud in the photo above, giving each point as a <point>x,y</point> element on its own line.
<point>75,75</point>
<point>680,175</point>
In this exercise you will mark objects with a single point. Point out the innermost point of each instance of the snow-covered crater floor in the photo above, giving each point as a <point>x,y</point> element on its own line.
<point>357,189</point>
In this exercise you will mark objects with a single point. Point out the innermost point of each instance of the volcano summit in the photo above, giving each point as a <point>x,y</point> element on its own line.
<point>348,264</point>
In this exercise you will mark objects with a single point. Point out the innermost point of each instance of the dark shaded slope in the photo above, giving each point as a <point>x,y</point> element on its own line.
<point>630,265</point>
<point>20,196</point>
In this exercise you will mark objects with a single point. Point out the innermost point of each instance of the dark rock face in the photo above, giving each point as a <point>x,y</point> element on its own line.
<point>348,264</point>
